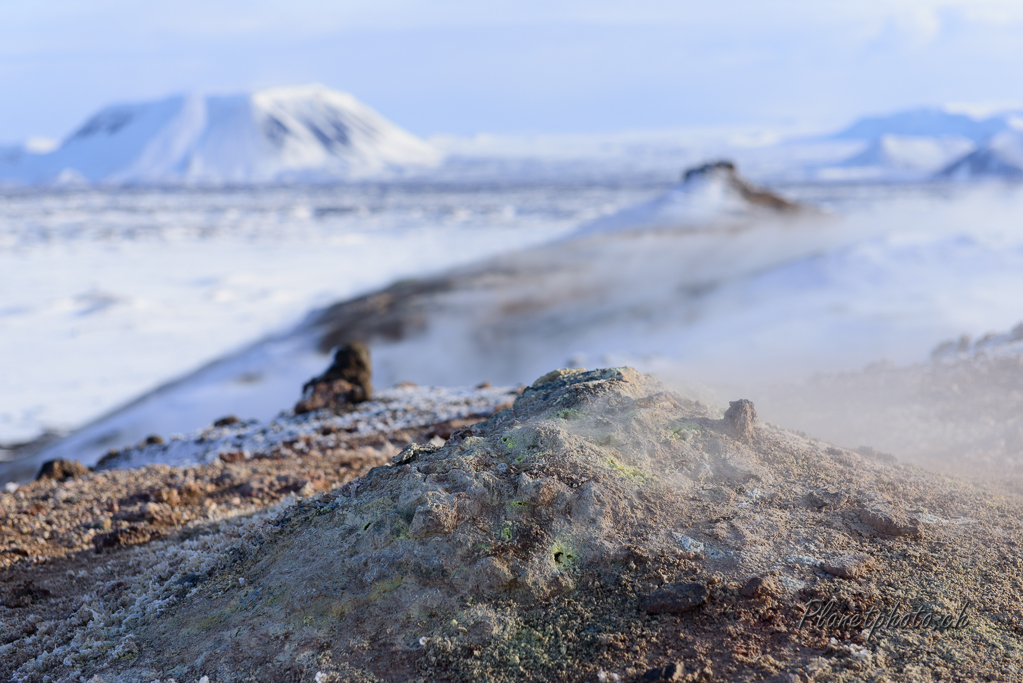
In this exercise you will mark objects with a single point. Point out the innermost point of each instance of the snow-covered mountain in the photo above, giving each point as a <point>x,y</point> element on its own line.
<point>911,153</point>
<point>1001,157</point>
<point>931,122</point>
<point>915,144</point>
<point>10,157</point>
<point>274,135</point>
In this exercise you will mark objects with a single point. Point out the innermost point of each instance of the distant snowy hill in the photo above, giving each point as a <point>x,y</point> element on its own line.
<point>1001,156</point>
<point>915,144</point>
<point>10,156</point>
<point>280,134</point>
<point>930,122</point>
<point>911,153</point>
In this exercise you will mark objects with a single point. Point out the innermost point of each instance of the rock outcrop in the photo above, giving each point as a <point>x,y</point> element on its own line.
<point>345,383</point>
<point>756,196</point>
<point>61,470</point>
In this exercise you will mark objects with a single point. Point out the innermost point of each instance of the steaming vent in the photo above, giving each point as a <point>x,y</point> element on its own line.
<point>599,504</point>
<point>709,196</point>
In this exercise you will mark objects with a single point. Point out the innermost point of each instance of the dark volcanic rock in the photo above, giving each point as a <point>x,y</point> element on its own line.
<point>24,595</point>
<point>676,599</point>
<point>671,672</point>
<point>827,498</point>
<point>61,470</point>
<point>751,193</point>
<point>741,420</point>
<point>133,535</point>
<point>760,587</point>
<point>391,314</point>
<point>676,673</point>
<point>346,382</point>
<point>890,521</point>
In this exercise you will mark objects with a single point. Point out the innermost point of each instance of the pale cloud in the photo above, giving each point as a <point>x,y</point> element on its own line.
<point>921,25</point>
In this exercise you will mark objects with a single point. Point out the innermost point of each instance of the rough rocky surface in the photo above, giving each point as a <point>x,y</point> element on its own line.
<point>390,413</point>
<point>529,547</point>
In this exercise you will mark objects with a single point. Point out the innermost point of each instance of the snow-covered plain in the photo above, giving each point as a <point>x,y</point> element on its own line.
<point>105,294</point>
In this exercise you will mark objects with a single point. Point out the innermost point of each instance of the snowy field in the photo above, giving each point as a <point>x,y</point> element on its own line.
<point>110,294</point>
<point>104,294</point>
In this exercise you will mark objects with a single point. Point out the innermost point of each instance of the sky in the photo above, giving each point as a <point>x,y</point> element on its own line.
<point>465,67</point>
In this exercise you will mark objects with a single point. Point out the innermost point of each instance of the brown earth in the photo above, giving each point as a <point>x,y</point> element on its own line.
<point>603,528</point>
<point>58,534</point>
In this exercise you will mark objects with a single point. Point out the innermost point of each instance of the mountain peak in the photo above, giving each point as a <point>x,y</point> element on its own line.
<point>307,132</point>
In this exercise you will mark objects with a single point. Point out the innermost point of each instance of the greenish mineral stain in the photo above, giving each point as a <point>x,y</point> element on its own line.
<point>684,432</point>
<point>631,473</point>
<point>564,553</point>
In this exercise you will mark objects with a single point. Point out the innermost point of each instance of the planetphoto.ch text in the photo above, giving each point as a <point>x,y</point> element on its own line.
<point>828,615</point>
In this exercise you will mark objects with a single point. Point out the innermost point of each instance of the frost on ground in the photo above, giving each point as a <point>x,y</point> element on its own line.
<point>399,408</point>
<point>601,528</point>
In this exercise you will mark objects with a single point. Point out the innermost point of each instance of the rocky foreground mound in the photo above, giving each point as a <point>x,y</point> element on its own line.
<point>601,529</point>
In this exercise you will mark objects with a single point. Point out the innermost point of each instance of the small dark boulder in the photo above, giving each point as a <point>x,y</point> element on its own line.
<point>61,470</point>
<point>761,586</point>
<point>888,520</point>
<point>24,595</point>
<point>133,535</point>
<point>676,598</point>
<point>671,672</point>
<point>346,382</point>
<point>741,420</point>
<point>828,498</point>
